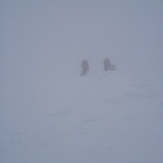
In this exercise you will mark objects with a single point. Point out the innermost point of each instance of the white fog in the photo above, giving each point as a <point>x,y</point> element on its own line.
<point>51,114</point>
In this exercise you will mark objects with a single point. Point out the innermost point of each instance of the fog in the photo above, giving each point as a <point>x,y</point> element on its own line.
<point>42,44</point>
<point>49,36</point>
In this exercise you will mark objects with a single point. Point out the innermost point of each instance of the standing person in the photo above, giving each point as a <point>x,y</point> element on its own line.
<point>85,67</point>
<point>107,64</point>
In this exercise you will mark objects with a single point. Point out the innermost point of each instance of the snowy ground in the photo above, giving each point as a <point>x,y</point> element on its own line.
<point>106,117</point>
<point>49,114</point>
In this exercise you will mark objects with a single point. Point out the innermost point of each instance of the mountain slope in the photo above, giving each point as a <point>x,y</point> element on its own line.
<point>105,117</point>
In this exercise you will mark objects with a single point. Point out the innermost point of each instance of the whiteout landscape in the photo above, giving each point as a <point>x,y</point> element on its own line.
<point>49,114</point>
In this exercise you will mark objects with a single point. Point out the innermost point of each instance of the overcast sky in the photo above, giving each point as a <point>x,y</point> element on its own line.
<point>41,33</point>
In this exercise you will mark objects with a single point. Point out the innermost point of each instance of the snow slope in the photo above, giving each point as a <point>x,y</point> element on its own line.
<point>104,117</point>
<point>49,114</point>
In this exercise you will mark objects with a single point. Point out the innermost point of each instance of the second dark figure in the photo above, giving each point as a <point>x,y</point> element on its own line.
<point>107,64</point>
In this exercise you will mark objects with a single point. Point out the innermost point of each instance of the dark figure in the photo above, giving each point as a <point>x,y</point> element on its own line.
<point>85,67</point>
<point>107,64</point>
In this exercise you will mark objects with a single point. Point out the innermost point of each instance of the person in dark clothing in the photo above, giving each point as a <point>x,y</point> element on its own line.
<point>85,67</point>
<point>107,64</point>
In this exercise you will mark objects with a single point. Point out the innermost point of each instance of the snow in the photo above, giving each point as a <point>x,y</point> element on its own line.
<point>106,117</point>
<point>49,114</point>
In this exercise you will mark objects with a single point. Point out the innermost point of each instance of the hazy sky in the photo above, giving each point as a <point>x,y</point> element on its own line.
<point>44,33</point>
